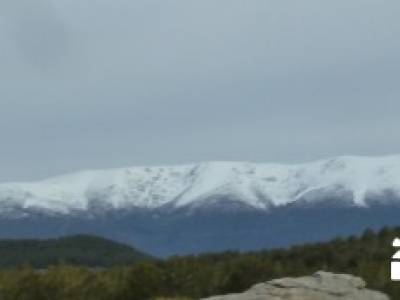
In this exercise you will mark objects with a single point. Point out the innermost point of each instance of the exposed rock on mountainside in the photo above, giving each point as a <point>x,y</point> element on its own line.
<point>320,286</point>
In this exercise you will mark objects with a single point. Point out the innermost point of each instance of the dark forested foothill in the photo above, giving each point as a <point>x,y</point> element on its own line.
<point>82,250</point>
<point>193,277</point>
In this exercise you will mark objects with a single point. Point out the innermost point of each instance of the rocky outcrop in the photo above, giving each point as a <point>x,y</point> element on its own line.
<point>320,286</point>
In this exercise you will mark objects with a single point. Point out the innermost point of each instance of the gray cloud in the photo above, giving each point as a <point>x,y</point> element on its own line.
<point>38,35</point>
<point>93,84</point>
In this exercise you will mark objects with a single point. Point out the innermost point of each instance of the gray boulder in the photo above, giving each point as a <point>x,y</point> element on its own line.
<point>320,286</point>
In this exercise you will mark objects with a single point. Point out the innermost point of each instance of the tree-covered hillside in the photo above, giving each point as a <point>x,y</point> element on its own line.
<point>194,277</point>
<point>82,250</point>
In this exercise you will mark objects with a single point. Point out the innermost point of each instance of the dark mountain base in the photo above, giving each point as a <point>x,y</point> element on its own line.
<point>183,232</point>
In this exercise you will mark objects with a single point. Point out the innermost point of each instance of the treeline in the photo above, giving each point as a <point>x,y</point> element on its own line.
<point>81,250</point>
<point>194,277</point>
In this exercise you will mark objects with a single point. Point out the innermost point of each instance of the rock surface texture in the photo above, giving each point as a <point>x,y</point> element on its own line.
<point>320,286</point>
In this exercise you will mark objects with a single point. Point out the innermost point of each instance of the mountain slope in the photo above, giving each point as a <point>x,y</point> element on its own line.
<point>260,186</point>
<point>81,250</point>
<point>210,206</point>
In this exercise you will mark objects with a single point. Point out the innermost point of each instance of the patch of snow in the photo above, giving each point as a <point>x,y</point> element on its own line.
<point>253,184</point>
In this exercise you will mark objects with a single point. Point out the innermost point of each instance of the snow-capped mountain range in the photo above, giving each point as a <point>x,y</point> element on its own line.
<point>260,186</point>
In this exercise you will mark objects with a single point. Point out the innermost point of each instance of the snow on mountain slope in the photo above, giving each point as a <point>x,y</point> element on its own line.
<point>257,185</point>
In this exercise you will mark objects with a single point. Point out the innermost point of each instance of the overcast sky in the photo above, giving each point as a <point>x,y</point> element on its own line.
<point>100,83</point>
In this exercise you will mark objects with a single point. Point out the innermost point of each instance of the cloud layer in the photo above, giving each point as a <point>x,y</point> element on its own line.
<point>93,84</point>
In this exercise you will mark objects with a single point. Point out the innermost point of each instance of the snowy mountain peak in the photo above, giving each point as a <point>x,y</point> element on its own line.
<point>257,185</point>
